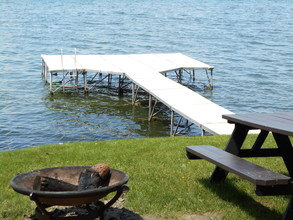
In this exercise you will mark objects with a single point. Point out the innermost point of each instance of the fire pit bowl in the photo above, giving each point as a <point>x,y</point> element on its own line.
<point>24,183</point>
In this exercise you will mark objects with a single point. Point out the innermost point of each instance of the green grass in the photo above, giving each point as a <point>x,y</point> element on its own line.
<point>163,182</point>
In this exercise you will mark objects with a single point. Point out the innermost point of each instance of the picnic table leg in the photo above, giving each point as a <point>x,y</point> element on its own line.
<point>285,146</point>
<point>260,140</point>
<point>288,215</point>
<point>234,144</point>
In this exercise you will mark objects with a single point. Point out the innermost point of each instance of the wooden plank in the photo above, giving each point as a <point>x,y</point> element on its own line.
<point>245,169</point>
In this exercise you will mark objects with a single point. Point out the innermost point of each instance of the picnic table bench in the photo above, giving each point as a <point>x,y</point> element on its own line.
<point>267,182</point>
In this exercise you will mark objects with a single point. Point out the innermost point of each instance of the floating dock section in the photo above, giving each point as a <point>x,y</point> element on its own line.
<point>147,72</point>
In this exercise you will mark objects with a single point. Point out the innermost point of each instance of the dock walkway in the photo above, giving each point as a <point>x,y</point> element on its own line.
<point>146,71</point>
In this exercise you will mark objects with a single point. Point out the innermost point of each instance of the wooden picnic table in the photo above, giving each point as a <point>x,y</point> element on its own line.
<point>266,182</point>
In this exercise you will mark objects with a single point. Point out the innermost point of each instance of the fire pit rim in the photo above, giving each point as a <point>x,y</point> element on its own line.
<point>67,194</point>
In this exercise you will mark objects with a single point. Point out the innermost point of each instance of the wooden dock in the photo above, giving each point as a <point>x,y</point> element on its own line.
<point>147,72</point>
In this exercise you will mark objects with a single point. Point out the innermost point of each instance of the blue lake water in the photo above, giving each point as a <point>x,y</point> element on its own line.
<point>249,42</point>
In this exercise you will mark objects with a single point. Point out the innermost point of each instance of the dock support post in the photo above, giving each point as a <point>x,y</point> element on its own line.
<point>84,81</point>
<point>43,68</point>
<point>76,79</point>
<point>134,93</point>
<point>133,88</point>
<point>51,86</point>
<point>172,123</point>
<point>150,108</point>
<point>178,124</point>
<point>211,80</point>
<point>76,70</point>
<point>179,75</point>
<point>63,80</point>
<point>109,79</point>
<point>44,71</point>
<point>120,85</point>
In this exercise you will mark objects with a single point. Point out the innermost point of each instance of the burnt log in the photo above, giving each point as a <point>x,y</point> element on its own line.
<point>94,177</point>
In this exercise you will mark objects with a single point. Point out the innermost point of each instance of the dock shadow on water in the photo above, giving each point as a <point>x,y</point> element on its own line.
<point>229,192</point>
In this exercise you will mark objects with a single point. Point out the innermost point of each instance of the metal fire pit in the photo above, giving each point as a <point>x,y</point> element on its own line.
<point>24,183</point>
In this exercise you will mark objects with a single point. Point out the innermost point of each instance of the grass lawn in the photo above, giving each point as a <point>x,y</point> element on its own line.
<point>162,181</point>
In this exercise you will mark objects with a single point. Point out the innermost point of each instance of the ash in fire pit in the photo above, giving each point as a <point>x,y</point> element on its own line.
<point>71,186</point>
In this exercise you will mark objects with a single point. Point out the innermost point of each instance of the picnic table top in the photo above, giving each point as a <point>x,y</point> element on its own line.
<point>280,122</point>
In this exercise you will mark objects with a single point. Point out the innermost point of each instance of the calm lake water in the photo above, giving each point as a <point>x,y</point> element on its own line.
<point>249,42</point>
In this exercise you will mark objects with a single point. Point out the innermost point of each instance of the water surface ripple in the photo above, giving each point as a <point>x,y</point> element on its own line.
<point>249,42</point>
